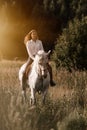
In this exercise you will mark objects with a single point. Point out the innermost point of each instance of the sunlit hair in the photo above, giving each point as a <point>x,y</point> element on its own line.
<point>28,36</point>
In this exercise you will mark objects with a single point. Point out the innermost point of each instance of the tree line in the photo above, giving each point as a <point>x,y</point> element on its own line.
<point>50,18</point>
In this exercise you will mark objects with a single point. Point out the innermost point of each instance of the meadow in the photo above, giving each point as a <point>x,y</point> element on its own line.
<point>65,108</point>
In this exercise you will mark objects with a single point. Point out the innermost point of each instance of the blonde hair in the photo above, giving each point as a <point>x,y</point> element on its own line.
<point>28,36</point>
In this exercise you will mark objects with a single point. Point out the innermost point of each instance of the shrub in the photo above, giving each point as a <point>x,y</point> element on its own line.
<point>74,121</point>
<point>77,124</point>
<point>71,48</point>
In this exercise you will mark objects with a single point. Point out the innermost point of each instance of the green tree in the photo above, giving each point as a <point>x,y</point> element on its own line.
<point>66,10</point>
<point>71,48</point>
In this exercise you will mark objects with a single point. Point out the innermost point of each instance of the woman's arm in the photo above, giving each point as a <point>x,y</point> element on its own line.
<point>41,46</point>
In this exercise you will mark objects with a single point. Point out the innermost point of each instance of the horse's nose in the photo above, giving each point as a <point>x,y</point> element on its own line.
<point>45,75</point>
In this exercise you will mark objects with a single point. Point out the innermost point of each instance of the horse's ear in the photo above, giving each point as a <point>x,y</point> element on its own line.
<point>48,52</point>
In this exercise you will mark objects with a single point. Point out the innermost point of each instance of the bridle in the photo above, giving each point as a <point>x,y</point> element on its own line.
<point>42,70</point>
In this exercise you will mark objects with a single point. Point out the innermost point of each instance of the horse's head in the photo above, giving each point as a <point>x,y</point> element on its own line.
<point>41,59</point>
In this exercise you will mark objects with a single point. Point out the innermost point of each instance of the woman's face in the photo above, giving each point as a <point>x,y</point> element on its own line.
<point>34,35</point>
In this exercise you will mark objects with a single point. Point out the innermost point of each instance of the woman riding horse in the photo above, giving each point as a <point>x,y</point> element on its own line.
<point>33,45</point>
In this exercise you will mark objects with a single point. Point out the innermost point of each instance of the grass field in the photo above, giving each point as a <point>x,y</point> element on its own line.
<point>65,108</point>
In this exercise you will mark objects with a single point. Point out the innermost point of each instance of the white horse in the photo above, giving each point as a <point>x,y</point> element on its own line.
<point>38,77</point>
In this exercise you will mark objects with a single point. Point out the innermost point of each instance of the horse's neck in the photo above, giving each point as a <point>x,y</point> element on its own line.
<point>34,66</point>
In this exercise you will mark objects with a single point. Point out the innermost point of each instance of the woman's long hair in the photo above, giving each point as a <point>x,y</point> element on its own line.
<point>28,36</point>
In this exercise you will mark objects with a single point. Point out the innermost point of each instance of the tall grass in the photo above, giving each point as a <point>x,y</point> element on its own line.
<point>65,108</point>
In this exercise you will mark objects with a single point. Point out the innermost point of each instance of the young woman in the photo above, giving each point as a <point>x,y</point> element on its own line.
<point>33,45</point>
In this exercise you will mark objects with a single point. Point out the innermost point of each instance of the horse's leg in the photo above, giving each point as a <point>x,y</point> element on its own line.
<point>32,97</point>
<point>24,96</point>
<point>44,96</point>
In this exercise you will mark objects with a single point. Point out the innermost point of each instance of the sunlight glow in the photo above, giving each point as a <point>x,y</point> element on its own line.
<point>7,32</point>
